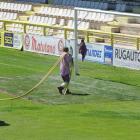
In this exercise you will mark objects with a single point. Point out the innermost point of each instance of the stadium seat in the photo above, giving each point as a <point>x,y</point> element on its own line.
<point>87,4</point>
<point>123,8</point>
<point>55,12</point>
<point>42,20</point>
<point>84,4</point>
<point>60,13</point>
<point>71,3</point>
<point>79,3</point>
<point>1,25</point>
<point>102,17</point>
<point>42,8</point>
<point>70,23</point>
<point>96,5</point>
<point>118,7</point>
<point>105,6</point>
<point>67,2</point>
<point>75,3</point>
<point>93,16</point>
<point>64,13</point>
<point>97,17</point>
<point>64,2</point>
<point>101,4</point>
<point>62,22</point>
<point>92,5</point>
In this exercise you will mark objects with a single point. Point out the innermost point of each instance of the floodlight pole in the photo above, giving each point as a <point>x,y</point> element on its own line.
<point>75,43</point>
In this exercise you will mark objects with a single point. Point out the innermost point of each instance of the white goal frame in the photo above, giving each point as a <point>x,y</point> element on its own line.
<point>76,27</point>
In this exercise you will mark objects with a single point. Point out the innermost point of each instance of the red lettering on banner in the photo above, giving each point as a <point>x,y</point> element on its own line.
<point>42,47</point>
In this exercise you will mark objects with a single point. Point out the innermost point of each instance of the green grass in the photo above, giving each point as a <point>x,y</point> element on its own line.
<point>104,104</point>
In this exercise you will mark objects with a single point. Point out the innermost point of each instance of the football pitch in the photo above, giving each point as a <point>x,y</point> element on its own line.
<point>104,104</point>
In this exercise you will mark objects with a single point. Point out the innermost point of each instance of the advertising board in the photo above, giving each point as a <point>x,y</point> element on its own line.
<point>45,45</point>
<point>126,58</point>
<point>12,40</point>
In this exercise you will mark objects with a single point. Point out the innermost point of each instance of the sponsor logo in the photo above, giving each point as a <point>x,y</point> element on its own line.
<point>27,42</point>
<point>128,55</point>
<point>8,39</point>
<point>94,53</point>
<point>42,47</point>
<point>60,46</point>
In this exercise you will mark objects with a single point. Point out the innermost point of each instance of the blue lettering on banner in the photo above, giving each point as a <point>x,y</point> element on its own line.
<point>8,39</point>
<point>94,53</point>
<point>108,55</point>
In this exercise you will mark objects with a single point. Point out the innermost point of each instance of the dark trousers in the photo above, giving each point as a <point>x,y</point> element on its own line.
<point>66,78</point>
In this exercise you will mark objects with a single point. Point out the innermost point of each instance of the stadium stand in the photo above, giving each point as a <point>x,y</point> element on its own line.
<point>61,13</point>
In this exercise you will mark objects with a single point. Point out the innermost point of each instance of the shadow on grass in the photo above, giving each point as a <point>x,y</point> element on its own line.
<point>2,123</point>
<point>78,94</point>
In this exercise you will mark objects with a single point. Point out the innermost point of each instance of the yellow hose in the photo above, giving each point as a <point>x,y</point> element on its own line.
<point>57,62</point>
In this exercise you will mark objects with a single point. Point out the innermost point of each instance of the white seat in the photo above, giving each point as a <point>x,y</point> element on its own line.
<point>93,16</point>
<point>64,13</point>
<point>14,7</point>
<point>38,18</point>
<point>7,16</point>
<point>29,7</point>
<point>60,12</point>
<point>34,30</point>
<point>11,16</point>
<point>72,14</point>
<point>87,25</point>
<point>52,11</point>
<point>81,25</point>
<point>42,20</point>
<point>12,27</point>
<point>62,22</point>
<point>7,7</point>
<point>68,13</point>
<point>98,15</point>
<point>70,22</point>
<point>18,7</point>
<point>1,5</point>
<point>24,9</point>
<point>42,9</point>
<point>56,12</point>
<point>53,21</point>
<point>102,17</point>
<point>20,28</point>
<point>71,35</point>
<point>49,21</point>
<point>11,6</point>
<point>14,16</point>
<point>88,17</point>
<point>34,19</point>
<point>39,32</point>
<point>1,14</point>
<point>4,6</point>
<point>46,20</point>
<point>48,11</point>
<point>1,24</point>
<point>4,15</point>
<point>60,34</point>
<point>30,18</point>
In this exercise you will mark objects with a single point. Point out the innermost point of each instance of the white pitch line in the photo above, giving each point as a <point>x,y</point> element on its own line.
<point>21,67</point>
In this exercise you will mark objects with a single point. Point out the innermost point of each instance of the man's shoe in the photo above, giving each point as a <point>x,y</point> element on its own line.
<point>68,92</point>
<point>60,89</point>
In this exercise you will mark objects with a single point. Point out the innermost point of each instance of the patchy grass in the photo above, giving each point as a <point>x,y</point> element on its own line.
<point>104,104</point>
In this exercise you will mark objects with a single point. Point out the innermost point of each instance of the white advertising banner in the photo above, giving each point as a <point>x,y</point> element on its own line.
<point>126,58</point>
<point>46,45</point>
<point>94,53</point>
<point>17,40</point>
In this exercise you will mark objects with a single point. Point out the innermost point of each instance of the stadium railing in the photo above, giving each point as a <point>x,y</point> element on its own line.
<point>131,39</point>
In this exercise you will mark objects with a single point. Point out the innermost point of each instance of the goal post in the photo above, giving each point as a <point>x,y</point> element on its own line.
<point>76,9</point>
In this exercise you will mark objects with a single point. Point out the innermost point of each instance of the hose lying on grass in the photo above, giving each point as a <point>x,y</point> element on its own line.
<point>57,62</point>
